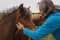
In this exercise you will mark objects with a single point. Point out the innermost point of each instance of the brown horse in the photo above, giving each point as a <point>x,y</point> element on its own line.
<point>8,27</point>
<point>24,17</point>
<point>36,18</point>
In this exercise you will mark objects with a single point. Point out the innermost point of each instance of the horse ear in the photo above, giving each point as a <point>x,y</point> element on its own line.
<point>21,6</point>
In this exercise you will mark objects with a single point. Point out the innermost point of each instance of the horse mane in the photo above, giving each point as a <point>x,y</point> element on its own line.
<point>25,12</point>
<point>8,12</point>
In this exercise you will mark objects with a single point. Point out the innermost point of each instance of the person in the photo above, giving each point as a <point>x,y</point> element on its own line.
<point>50,26</point>
<point>47,7</point>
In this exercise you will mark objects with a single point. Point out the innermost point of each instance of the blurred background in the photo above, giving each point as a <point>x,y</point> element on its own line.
<point>6,4</point>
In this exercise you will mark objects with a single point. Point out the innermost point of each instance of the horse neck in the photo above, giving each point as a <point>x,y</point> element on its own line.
<point>7,27</point>
<point>8,18</point>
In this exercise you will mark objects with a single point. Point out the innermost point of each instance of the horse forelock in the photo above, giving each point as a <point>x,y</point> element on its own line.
<point>25,13</point>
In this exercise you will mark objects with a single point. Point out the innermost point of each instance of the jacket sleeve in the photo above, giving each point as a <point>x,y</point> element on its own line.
<point>48,27</point>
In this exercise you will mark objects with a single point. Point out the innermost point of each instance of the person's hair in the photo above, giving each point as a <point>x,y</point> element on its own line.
<point>48,6</point>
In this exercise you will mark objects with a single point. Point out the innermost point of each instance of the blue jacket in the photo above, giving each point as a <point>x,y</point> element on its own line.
<point>52,25</point>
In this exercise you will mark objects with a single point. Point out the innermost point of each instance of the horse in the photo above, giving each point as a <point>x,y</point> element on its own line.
<point>24,17</point>
<point>8,27</point>
<point>36,18</point>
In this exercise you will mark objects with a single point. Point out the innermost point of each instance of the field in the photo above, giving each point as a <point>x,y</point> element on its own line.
<point>49,37</point>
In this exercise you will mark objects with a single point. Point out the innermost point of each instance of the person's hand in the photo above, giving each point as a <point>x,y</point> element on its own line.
<point>19,26</point>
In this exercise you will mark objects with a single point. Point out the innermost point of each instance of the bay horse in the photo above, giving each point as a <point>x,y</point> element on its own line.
<point>36,18</point>
<point>24,17</point>
<point>8,28</point>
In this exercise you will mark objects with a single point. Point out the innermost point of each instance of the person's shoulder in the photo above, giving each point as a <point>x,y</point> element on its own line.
<point>57,13</point>
<point>54,18</point>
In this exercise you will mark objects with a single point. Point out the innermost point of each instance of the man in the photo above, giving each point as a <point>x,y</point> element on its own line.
<point>52,25</point>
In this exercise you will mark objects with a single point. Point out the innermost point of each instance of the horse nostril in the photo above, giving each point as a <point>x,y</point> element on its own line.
<point>40,17</point>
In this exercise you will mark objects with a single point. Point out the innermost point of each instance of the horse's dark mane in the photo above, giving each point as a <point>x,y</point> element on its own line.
<point>9,16</point>
<point>9,12</point>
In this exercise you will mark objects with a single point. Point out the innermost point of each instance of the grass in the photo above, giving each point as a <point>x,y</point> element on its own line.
<point>1,15</point>
<point>49,37</point>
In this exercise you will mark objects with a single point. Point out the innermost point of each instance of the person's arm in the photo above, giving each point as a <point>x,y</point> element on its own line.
<point>47,28</point>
